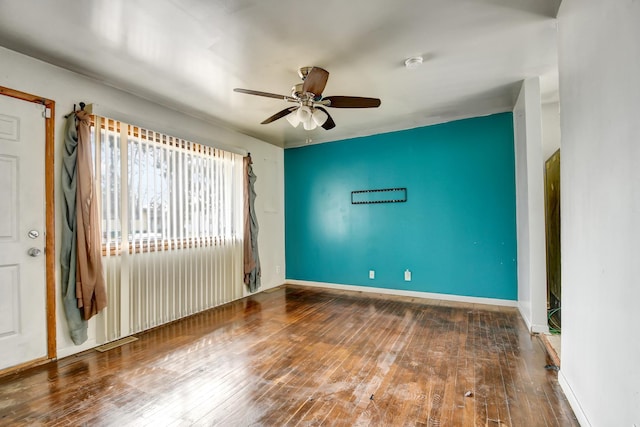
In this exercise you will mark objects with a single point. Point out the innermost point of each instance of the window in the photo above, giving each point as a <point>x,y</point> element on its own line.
<point>180,205</point>
<point>177,193</point>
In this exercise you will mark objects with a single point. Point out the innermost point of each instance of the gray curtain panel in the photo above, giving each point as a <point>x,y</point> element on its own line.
<point>252,270</point>
<point>68,251</point>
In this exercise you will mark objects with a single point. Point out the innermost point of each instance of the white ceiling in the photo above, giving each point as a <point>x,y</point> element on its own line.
<point>190,54</point>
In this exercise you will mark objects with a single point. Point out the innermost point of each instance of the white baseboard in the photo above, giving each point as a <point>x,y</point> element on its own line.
<point>75,349</point>
<point>533,328</point>
<point>539,329</point>
<point>573,400</point>
<point>405,293</point>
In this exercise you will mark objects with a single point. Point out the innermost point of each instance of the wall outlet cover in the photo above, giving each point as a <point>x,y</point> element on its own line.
<point>372,274</point>
<point>407,275</point>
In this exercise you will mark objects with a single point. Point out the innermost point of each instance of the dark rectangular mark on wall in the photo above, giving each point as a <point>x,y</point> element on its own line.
<point>384,195</point>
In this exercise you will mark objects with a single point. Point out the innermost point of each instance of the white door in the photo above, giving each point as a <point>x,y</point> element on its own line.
<point>23,328</point>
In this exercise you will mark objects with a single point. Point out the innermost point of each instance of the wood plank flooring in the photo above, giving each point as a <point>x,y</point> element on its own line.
<point>308,357</point>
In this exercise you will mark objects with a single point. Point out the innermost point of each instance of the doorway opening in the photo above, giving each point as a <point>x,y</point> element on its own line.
<point>552,230</point>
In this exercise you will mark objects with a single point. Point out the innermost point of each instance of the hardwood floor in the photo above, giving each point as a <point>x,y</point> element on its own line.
<point>300,356</point>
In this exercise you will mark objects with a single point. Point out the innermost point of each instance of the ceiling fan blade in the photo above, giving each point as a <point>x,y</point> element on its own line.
<point>279,115</point>
<point>315,81</point>
<point>329,124</point>
<point>351,102</point>
<point>267,94</point>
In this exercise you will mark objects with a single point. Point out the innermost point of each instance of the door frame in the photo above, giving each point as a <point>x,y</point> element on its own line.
<point>49,221</point>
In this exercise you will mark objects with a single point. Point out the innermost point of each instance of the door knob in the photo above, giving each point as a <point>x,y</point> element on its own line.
<point>34,252</point>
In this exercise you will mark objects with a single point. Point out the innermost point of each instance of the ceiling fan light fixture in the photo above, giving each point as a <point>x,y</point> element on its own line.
<point>319,117</point>
<point>309,124</point>
<point>413,62</point>
<point>292,118</point>
<point>304,113</point>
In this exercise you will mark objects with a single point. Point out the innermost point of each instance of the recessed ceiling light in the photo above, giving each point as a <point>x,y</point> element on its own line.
<point>413,62</point>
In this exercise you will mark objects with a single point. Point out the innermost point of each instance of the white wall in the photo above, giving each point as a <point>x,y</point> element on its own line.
<point>550,129</point>
<point>527,123</point>
<point>66,88</point>
<point>599,61</point>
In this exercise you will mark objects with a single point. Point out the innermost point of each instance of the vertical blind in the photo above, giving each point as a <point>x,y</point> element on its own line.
<point>171,215</point>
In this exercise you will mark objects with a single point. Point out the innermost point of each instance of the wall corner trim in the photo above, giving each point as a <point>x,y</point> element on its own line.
<point>405,293</point>
<point>539,329</point>
<point>573,400</point>
<point>534,328</point>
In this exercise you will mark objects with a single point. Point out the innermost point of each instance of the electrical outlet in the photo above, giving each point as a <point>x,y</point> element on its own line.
<point>407,275</point>
<point>277,269</point>
<point>372,274</point>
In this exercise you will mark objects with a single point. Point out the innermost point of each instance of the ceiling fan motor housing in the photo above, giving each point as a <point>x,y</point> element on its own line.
<point>296,90</point>
<point>303,72</point>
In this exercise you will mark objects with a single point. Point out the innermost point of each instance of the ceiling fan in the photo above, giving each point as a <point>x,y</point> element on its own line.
<point>307,95</point>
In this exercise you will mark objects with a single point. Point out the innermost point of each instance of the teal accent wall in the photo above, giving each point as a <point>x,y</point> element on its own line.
<point>456,232</point>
